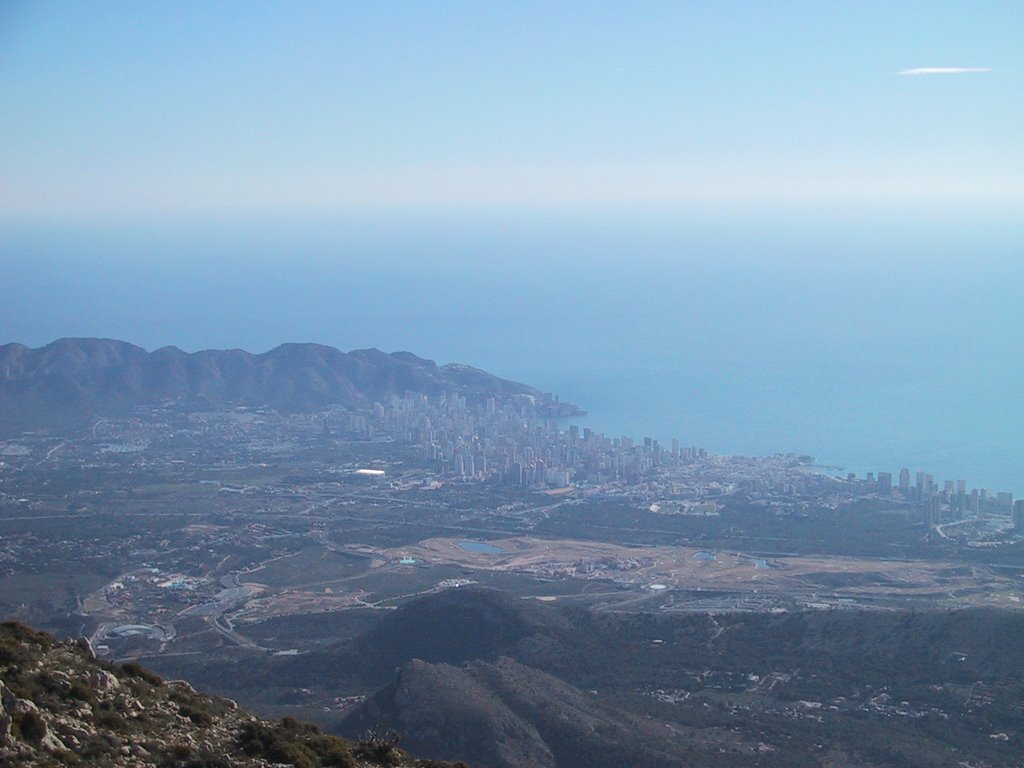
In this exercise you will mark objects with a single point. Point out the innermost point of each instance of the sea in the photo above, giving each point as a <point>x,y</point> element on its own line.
<point>870,342</point>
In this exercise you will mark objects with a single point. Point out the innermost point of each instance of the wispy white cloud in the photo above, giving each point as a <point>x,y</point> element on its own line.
<point>943,70</point>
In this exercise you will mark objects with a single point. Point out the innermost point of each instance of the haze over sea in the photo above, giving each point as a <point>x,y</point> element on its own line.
<point>869,343</point>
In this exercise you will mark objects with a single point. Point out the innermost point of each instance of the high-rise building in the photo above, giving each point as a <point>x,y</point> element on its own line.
<point>1004,502</point>
<point>961,498</point>
<point>885,482</point>
<point>904,480</point>
<point>934,508</point>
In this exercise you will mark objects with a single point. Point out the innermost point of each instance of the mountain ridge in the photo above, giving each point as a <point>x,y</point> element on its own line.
<point>75,379</point>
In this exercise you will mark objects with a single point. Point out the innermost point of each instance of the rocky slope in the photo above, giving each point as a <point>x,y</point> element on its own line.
<point>78,378</point>
<point>60,706</point>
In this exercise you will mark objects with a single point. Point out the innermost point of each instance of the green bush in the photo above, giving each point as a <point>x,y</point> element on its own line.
<point>48,682</point>
<point>181,751</point>
<point>197,713</point>
<point>108,718</point>
<point>381,746</point>
<point>22,635</point>
<point>8,651</point>
<point>177,756</point>
<point>331,751</point>
<point>294,753</point>
<point>133,669</point>
<point>81,691</point>
<point>31,726</point>
<point>295,743</point>
<point>254,738</point>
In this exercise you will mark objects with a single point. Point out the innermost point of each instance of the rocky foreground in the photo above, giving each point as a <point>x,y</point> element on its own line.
<point>59,705</point>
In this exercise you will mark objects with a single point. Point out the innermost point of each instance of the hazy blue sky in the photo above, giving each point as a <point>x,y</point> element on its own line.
<point>130,110</point>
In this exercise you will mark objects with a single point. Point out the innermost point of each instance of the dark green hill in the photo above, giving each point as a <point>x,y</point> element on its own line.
<point>442,709</point>
<point>474,674</point>
<point>602,689</point>
<point>509,715</point>
<point>453,627</point>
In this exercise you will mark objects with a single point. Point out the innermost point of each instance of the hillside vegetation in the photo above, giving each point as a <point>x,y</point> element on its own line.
<point>60,706</point>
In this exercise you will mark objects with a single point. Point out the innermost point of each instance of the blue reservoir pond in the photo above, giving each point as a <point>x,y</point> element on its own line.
<point>704,556</point>
<point>479,547</point>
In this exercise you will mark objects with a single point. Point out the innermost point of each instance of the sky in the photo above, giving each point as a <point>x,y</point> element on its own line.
<point>138,111</point>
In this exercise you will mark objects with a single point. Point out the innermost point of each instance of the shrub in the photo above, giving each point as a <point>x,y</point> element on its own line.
<point>81,691</point>
<point>197,713</point>
<point>94,748</point>
<point>31,726</point>
<point>21,634</point>
<point>133,669</point>
<point>381,746</point>
<point>48,682</point>
<point>331,750</point>
<point>295,743</point>
<point>292,752</point>
<point>181,751</point>
<point>108,718</point>
<point>8,651</point>
<point>254,738</point>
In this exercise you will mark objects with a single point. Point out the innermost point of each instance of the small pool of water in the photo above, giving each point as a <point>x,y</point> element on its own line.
<point>705,556</point>
<point>479,547</point>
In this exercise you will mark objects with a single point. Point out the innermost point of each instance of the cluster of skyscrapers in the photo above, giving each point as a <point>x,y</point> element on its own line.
<point>951,501</point>
<point>512,441</point>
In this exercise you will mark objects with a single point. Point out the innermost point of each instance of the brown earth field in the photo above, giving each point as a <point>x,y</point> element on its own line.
<point>813,581</point>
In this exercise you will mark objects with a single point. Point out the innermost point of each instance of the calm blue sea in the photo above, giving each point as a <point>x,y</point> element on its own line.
<point>869,344</point>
